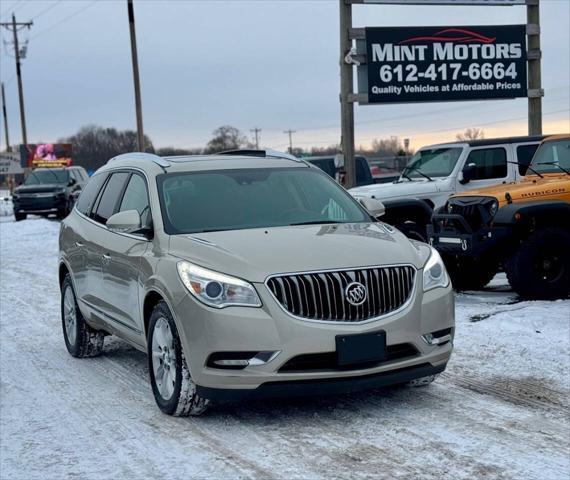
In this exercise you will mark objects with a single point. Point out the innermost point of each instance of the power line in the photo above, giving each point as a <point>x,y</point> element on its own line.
<point>14,8</point>
<point>45,10</point>
<point>64,19</point>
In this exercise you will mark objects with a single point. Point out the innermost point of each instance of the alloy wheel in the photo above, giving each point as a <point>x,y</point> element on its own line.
<point>163,358</point>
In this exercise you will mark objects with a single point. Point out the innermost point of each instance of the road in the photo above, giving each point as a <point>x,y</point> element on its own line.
<point>501,410</point>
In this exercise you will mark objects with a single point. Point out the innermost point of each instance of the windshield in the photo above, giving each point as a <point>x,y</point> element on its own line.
<point>552,157</point>
<point>433,162</point>
<point>47,176</point>
<point>194,202</point>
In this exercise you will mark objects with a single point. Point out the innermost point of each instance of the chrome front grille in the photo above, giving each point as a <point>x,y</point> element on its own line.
<point>322,295</point>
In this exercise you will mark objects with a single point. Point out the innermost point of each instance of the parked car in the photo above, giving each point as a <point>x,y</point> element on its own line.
<point>523,226</point>
<point>249,276</point>
<point>383,173</point>
<point>48,191</point>
<point>327,164</point>
<point>436,172</point>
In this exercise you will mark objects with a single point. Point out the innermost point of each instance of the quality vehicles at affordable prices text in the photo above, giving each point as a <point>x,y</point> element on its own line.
<point>523,226</point>
<point>248,276</point>
<point>438,171</point>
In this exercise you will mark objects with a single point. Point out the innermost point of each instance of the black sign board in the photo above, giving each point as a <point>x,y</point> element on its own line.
<point>428,64</point>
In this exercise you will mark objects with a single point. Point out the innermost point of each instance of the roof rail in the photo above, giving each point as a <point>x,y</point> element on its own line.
<point>149,157</point>
<point>268,152</point>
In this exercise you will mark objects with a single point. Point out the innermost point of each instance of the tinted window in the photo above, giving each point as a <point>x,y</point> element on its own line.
<point>489,163</point>
<point>89,193</point>
<point>109,198</point>
<point>524,156</point>
<point>46,176</point>
<point>136,198</point>
<point>253,198</point>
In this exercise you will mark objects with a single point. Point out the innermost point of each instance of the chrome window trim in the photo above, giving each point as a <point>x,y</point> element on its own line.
<point>332,270</point>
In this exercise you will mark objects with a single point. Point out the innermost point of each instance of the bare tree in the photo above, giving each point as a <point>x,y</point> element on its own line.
<point>92,145</point>
<point>387,147</point>
<point>226,137</point>
<point>174,151</point>
<point>471,134</point>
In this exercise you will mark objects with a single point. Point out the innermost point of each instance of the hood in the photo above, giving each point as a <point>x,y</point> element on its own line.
<point>551,187</point>
<point>254,254</point>
<point>405,189</point>
<point>41,188</point>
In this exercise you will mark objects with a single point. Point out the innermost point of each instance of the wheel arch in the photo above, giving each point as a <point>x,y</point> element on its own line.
<point>410,209</point>
<point>535,214</point>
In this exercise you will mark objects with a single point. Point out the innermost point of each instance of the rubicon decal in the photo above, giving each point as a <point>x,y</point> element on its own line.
<point>414,64</point>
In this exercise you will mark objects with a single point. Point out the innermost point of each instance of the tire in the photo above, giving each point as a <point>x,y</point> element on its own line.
<point>414,231</point>
<point>20,216</point>
<point>172,385</point>
<point>80,339</point>
<point>540,268</point>
<point>469,273</point>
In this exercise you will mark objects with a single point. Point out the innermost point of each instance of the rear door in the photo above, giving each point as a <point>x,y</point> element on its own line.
<point>83,230</point>
<point>491,167</point>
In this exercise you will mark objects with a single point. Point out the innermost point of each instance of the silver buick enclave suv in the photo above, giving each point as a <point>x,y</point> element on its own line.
<point>249,275</point>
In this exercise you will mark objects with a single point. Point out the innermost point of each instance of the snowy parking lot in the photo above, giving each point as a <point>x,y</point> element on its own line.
<point>501,410</point>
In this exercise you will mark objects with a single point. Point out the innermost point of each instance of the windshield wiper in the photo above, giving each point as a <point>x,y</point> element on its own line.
<point>314,222</point>
<point>416,170</point>
<point>556,165</point>
<point>528,167</point>
<point>406,176</point>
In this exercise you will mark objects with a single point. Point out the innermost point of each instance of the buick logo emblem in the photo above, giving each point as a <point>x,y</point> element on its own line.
<point>355,293</point>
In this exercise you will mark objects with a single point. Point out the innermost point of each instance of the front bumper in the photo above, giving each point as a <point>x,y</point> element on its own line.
<point>205,331</point>
<point>39,204</point>
<point>451,234</point>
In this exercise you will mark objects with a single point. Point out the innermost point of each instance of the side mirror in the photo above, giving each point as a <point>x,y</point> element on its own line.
<point>72,181</point>
<point>128,221</point>
<point>468,173</point>
<point>375,207</point>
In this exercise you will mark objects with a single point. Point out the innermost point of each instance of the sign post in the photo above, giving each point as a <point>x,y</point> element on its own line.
<point>433,64</point>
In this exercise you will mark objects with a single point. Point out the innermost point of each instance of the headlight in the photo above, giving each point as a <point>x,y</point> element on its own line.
<point>435,274</point>
<point>449,208</point>
<point>216,289</point>
<point>493,207</point>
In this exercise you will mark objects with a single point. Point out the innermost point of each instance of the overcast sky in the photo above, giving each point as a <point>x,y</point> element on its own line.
<point>267,64</point>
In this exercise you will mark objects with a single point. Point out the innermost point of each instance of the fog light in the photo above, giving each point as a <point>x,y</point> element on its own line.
<point>232,363</point>
<point>240,360</point>
<point>439,337</point>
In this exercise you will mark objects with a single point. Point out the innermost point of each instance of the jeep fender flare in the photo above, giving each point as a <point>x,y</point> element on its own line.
<point>545,212</point>
<point>408,209</point>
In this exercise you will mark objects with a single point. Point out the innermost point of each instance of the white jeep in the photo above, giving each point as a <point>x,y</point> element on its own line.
<point>436,172</point>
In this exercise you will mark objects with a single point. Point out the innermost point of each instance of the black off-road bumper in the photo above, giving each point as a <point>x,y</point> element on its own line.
<point>451,234</point>
<point>303,388</point>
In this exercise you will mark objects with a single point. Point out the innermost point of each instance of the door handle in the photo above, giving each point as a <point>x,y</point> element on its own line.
<point>78,244</point>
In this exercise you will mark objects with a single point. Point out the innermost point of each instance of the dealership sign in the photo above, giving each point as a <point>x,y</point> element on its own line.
<point>45,155</point>
<point>427,64</point>
<point>10,163</point>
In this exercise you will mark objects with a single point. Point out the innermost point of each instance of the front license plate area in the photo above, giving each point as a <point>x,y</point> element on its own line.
<point>360,348</point>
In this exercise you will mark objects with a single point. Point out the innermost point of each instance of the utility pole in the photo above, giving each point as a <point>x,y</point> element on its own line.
<point>535,92</point>
<point>290,133</point>
<point>5,114</point>
<point>14,26</point>
<point>346,86</point>
<point>256,131</point>
<point>134,55</point>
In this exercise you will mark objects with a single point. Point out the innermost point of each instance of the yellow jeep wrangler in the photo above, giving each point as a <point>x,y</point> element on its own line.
<point>523,227</point>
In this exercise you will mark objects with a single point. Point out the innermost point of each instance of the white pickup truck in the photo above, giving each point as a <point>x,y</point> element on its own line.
<point>436,172</point>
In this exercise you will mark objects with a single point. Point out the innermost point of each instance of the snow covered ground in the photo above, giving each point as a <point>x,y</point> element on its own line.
<point>501,410</point>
